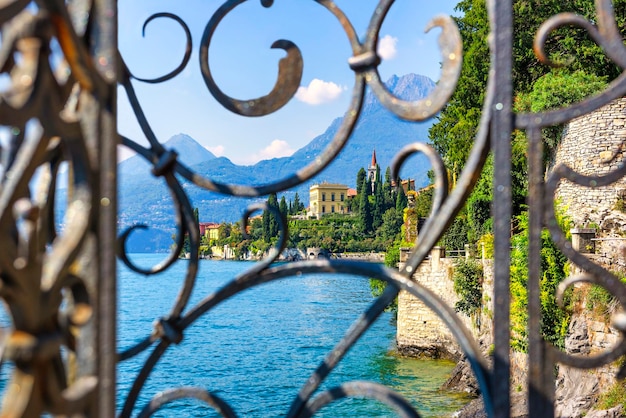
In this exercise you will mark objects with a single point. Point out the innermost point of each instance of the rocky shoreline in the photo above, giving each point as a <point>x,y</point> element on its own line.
<point>577,390</point>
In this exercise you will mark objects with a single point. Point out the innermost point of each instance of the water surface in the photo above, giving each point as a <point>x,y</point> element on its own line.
<point>258,349</point>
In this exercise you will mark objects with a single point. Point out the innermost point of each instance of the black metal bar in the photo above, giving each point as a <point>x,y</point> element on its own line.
<point>75,104</point>
<point>105,49</point>
<point>540,403</point>
<point>501,128</point>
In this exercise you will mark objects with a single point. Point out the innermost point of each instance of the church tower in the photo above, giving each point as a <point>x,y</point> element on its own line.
<point>371,170</point>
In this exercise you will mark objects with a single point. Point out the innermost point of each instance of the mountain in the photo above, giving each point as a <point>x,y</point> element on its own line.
<point>187,148</point>
<point>144,199</point>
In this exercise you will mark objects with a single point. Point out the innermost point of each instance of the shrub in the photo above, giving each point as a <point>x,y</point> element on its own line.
<point>613,396</point>
<point>468,285</point>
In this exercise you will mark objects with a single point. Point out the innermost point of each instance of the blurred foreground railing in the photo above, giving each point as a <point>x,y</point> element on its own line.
<point>62,66</point>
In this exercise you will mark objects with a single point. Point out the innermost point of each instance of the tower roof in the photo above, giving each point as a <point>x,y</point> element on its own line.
<point>374,159</point>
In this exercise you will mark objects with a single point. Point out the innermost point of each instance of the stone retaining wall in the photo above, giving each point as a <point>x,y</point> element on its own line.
<point>593,144</point>
<point>420,332</point>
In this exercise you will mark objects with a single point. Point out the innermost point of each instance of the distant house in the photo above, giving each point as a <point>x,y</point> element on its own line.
<point>325,198</point>
<point>408,185</point>
<point>209,230</point>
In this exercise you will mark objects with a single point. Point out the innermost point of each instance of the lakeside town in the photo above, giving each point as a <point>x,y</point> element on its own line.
<point>496,277</point>
<point>377,219</point>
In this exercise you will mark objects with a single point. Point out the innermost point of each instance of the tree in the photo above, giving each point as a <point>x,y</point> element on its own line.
<point>378,209</point>
<point>391,225</point>
<point>360,175</point>
<point>186,243</point>
<point>223,231</point>
<point>453,134</point>
<point>401,200</point>
<point>389,198</point>
<point>282,207</point>
<point>365,208</point>
<point>297,205</point>
<point>270,223</point>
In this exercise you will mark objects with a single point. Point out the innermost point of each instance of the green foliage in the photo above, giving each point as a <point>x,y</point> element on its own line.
<point>601,302</point>
<point>620,204</point>
<point>401,200</point>
<point>479,205</point>
<point>365,208</point>
<point>468,278</point>
<point>297,206</point>
<point>554,266</point>
<point>360,176</point>
<point>598,301</point>
<point>270,223</point>
<point>282,206</point>
<point>377,288</point>
<point>486,242</point>
<point>424,202</point>
<point>455,236</point>
<point>558,89</point>
<point>588,66</point>
<point>615,395</point>
<point>392,256</point>
<point>391,224</point>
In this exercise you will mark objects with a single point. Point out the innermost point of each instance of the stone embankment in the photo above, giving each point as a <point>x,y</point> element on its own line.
<point>420,331</point>
<point>294,254</point>
<point>592,145</point>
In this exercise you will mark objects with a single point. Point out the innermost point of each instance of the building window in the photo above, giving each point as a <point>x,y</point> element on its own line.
<point>323,208</point>
<point>323,197</point>
<point>332,208</point>
<point>342,197</point>
<point>332,197</point>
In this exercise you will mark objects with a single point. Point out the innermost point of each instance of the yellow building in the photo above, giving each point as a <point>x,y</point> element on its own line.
<point>327,198</point>
<point>210,230</point>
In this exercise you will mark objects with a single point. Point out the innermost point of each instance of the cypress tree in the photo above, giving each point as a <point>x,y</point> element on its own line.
<point>297,205</point>
<point>360,175</point>
<point>388,191</point>
<point>401,200</point>
<point>272,202</point>
<point>270,223</point>
<point>379,206</point>
<point>365,207</point>
<point>282,206</point>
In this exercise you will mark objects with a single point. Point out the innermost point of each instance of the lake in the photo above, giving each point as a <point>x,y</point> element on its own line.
<point>257,349</point>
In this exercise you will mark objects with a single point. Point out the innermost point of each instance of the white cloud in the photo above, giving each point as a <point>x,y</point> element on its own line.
<point>276,149</point>
<point>387,47</point>
<point>124,153</point>
<point>318,92</point>
<point>217,150</point>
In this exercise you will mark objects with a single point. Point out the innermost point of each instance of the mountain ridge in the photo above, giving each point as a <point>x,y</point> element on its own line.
<point>146,200</point>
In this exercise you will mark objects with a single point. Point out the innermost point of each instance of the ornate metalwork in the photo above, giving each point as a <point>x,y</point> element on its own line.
<point>59,284</point>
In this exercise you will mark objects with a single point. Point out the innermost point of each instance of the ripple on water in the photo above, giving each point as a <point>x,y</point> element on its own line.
<point>259,348</point>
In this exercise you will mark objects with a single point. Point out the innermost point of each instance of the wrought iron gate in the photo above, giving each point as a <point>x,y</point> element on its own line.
<point>59,284</point>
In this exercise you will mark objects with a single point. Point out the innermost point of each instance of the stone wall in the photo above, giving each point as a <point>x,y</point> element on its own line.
<point>593,144</point>
<point>420,332</point>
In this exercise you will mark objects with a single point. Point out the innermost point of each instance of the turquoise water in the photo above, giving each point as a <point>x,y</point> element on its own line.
<point>257,349</point>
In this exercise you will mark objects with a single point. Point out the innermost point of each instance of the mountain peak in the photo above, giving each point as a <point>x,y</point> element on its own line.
<point>190,151</point>
<point>410,87</point>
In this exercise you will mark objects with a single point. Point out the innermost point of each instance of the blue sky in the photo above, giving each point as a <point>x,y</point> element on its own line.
<point>245,67</point>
